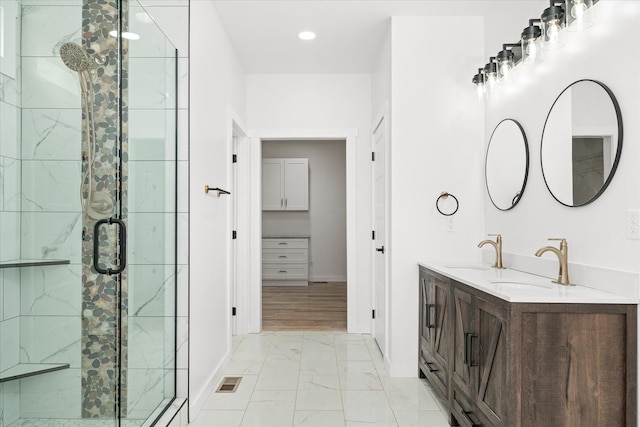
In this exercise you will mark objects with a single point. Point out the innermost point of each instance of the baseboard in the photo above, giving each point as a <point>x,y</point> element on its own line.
<point>327,278</point>
<point>197,402</point>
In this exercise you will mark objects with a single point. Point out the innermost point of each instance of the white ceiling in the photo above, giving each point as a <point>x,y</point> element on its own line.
<point>349,32</point>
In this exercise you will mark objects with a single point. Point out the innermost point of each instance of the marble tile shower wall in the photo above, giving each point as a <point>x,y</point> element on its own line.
<point>10,171</point>
<point>51,220</point>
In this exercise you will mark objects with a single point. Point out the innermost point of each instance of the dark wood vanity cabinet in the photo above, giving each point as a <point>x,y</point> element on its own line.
<point>435,326</point>
<point>528,365</point>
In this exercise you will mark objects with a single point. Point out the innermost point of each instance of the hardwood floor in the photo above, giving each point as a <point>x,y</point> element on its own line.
<point>317,307</point>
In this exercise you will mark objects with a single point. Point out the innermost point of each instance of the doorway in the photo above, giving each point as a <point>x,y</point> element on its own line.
<point>349,136</point>
<point>304,245</point>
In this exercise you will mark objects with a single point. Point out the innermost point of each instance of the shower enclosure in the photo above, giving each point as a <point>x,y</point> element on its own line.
<point>88,102</point>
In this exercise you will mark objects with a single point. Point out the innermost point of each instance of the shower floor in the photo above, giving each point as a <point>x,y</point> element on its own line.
<point>61,422</point>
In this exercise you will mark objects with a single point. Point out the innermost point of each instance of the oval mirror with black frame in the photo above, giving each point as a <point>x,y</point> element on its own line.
<point>507,164</point>
<point>581,143</point>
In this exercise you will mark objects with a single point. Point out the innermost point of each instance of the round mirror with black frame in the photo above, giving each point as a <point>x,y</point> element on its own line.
<point>581,143</point>
<point>507,164</point>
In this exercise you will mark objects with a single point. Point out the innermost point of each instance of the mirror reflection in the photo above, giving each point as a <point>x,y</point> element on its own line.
<point>507,164</point>
<point>581,143</point>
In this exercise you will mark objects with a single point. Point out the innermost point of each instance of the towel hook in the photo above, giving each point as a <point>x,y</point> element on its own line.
<point>218,191</point>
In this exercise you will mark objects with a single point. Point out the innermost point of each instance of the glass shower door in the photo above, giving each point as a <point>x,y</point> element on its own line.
<point>151,214</point>
<point>87,214</point>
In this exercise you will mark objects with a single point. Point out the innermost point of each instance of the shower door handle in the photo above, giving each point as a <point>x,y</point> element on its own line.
<point>122,257</point>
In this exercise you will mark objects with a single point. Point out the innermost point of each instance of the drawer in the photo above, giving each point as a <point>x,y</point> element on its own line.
<point>285,243</point>
<point>285,271</point>
<point>285,256</point>
<point>435,374</point>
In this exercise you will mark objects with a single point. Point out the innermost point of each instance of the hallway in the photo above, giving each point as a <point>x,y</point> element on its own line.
<point>317,307</point>
<point>323,379</point>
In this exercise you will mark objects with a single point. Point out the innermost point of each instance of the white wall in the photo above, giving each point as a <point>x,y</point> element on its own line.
<point>325,101</point>
<point>596,232</point>
<point>436,146</point>
<point>326,220</point>
<point>217,83</point>
<point>381,78</point>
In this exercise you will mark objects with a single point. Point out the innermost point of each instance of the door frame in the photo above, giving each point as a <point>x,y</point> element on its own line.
<point>238,260</point>
<point>382,119</point>
<point>254,312</point>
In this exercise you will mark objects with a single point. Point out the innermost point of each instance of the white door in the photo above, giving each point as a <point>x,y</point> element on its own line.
<point>272,184</point>
<point>296,184</point>
<point>379,223</point>
<point>234,227</point>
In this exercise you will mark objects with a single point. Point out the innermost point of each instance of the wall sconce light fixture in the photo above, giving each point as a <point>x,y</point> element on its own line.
<point>507,59</point>
<point>553,22</point>
<point>547,33</point>
<point>532,42</point>
<point>579,14</point>
<point>478,80</point>
<point>491,74</point>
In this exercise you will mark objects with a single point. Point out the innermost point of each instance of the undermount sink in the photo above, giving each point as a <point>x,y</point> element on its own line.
<point>518,284</point>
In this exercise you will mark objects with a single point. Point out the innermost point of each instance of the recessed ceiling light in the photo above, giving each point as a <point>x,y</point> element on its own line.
<point>125,35</point>
<point>307,35</point>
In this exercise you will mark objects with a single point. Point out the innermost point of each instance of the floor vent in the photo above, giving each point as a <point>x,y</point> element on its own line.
<point>229,385</point>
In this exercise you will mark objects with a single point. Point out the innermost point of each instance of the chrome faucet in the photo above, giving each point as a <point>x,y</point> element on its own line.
<point>563,255</point>
<point>497,245</point>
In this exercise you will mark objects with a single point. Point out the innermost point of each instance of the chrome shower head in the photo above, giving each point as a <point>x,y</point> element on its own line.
<point>74,57</point>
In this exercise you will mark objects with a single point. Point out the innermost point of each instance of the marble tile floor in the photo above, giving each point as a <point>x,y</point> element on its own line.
<point>317,379</point>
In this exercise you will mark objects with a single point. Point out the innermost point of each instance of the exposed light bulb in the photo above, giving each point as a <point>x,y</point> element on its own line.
<point>531,50</point>
<point>491,81</point>
<point>553,33</point>
<point>579,9</point>
<point>480,91</point>
<point>504,70</point>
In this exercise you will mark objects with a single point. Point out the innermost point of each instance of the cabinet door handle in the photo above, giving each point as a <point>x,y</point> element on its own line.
<point>468,349</point>
<point>285,203</point>
<point>428,308</point>
<point>431,369</point>
<point>473,423</point>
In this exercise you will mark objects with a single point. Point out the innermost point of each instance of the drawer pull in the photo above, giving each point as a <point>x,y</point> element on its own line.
<point>282,256</point>
<point>428,323</point>
<point>283,243</point>
<point>468,348</point>
<point>282,271</point>
<point>473,424</point>
<point>431,368</point>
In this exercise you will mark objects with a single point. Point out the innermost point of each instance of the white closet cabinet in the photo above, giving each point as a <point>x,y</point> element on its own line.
<point>285,184</point>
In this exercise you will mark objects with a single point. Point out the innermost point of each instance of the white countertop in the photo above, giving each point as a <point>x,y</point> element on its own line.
<point>517,286</point>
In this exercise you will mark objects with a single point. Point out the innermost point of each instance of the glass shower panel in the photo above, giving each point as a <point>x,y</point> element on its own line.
<point>152,216</point>
<point>87,137</point>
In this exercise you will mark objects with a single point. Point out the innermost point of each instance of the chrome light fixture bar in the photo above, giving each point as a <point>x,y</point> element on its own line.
<point>546,33</point>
